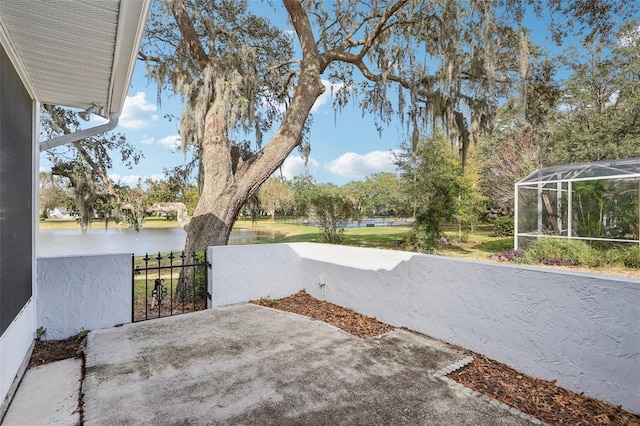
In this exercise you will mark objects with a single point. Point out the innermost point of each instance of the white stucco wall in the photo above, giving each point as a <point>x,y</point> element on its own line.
<point>15,346</point>
<point>83,293</point>
<point>242,273</point>
<point>581,329</point>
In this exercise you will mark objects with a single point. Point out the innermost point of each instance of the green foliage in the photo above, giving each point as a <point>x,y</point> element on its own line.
<point>133,206</point>
<point>630,257</point>
<point>503,226</point>
<point>86,164</point>
<point>200,277</point>
<point>304,189</point>
<point>433,178</point>
<point>422,240</point>
<point>379,195</point>
<point>54,193</point>
<point>605,208</point>
<point>495,245</point>
<point>386,196</point>
<point>471,202</point>
<point>40,333</point>
<point>270,302</point>
<point>560,251</point>
<point>332,212</point>
<point>564,252</point>
<point>84,333</point>
<point>359,194</point>
<point>275,195</point>
<point>602,102</point>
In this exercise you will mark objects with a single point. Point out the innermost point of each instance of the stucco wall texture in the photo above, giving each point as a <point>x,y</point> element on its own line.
<point>15,344</point>
<point>83,293</point>
<point>581,329</point>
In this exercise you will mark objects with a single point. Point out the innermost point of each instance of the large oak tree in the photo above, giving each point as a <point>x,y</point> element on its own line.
<point>441,64</point>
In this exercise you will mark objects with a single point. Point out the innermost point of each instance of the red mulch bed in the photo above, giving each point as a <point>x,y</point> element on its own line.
<point>538,398</point>
<point>345,319</point>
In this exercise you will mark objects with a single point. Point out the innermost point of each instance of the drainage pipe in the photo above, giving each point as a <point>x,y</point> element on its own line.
<point>82,134</point>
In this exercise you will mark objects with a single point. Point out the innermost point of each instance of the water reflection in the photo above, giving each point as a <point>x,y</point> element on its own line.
<point>70,242</point>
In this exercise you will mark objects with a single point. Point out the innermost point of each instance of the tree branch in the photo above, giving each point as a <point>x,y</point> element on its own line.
<point>78,145</point>
<point>302,27</point>
<point>189,34</point>
<point>371,38</point>
<point>309,88</point>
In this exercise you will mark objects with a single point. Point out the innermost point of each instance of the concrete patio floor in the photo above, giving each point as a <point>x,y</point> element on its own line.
<point>246,364</point>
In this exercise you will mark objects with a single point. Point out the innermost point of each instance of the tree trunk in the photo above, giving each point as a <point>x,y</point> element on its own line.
<point>219,202</point>
<point>224,193</point>
<point>227,186</point>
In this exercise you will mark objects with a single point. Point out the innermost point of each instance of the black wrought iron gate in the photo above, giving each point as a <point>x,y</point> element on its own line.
<point>168,284</point>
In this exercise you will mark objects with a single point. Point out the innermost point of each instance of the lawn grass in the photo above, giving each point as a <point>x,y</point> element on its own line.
<point>378,236</point>
<point>480,244</point>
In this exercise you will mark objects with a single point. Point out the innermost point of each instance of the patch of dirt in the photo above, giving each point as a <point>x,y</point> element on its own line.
<point>167,309</point>
<point>345,319</point>
<point>47,351</point>
<point>538,398</point>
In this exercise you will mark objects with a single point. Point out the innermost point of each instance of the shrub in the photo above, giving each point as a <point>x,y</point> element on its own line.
<point>553,251</point>
<point>630,257</point>
<point>332,213</point>
<point>509,255</point>
<point>503,226</point>
<point>421,240</point>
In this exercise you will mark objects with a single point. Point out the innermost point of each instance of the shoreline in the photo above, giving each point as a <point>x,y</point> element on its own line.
<point>150,223</point>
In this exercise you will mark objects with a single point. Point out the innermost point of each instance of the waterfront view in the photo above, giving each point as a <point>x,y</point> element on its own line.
<point>68,242</point>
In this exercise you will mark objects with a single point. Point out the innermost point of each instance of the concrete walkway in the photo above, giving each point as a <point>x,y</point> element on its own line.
<point>48,395</point>
<point>247,364</point>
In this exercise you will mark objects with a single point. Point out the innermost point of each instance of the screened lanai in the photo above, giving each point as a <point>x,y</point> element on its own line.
<point>597,202</point>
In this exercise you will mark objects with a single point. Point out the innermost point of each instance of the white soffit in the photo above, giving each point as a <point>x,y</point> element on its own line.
<point>74,52</point>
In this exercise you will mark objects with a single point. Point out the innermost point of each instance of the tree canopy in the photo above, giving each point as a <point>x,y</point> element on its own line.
<point>86,165</point>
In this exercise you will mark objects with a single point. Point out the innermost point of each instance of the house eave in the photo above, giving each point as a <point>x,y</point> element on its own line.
<point>74,54</point>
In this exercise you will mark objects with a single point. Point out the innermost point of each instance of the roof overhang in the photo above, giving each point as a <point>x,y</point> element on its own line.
<point>74,53</point>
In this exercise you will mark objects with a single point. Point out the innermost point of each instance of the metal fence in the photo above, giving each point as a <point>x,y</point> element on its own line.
<point>168,284</point>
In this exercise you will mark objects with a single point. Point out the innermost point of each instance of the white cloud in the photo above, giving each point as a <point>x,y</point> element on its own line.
<point>294,166</point>
<point>138,113</point>
<point>327,96</point>
<point>147,140</point>
<point>131,180</point>
<point>352,165</point>
<point>170,142</point>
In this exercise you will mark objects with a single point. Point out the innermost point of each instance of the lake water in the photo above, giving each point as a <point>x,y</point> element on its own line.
<point>68,242</point>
